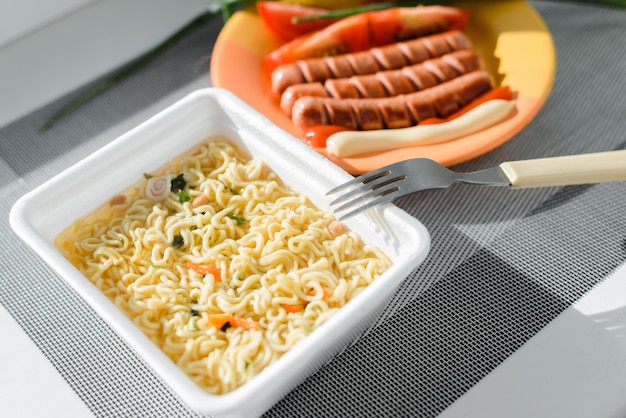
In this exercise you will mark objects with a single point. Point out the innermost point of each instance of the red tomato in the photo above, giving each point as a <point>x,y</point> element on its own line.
<point>316,135</point>
<point>278,17</point>
<point>366,30</point>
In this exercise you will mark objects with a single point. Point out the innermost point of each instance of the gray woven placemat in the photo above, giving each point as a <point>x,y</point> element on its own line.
<point>502,266</point>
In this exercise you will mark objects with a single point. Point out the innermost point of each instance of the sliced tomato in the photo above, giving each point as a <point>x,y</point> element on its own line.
<point>278,17</point>
<point>370,29</point>
<point>316,135</point>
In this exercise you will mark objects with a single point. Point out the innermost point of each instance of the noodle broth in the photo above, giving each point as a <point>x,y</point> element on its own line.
<point>225,271</point>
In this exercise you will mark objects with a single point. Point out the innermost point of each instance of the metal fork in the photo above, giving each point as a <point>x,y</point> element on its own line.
<point>390,182</point>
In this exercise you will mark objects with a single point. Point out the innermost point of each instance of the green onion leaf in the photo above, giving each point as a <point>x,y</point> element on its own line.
<point>340,13</point>
<point>183,196</point>
<point>132,67</point>
<point>239,219</point>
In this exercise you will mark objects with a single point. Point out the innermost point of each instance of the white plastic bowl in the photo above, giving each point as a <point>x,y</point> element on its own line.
<point>39,216</point>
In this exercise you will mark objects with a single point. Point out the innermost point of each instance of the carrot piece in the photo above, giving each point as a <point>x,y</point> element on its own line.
<point>220,320</point>
<point>244,323</point>
<point>292,308</point>
<point>199,201</point>
<point>200,269</point>
<point>325,293</point>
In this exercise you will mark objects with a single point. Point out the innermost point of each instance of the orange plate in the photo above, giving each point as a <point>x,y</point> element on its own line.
<point>510,36</point>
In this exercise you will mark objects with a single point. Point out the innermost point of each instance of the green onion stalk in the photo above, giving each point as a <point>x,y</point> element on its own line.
<point>225,9</point>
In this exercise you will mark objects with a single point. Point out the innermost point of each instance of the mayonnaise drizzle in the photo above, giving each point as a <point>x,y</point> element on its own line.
<point>349,143</point>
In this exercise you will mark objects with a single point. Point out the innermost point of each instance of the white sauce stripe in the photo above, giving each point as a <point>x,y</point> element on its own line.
<point>349,143</point>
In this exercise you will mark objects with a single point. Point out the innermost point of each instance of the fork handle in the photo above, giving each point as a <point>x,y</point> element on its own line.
<point>567,170</point>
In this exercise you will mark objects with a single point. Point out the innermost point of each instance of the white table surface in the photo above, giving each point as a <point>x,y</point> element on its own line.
<point>43,58</point>
<point>568,356</point>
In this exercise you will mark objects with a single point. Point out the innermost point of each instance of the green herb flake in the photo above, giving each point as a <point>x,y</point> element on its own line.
<point>234,191</point>
<point>183,196</point>
<point>156,266</point>
<point>178,183</point>
<point>239,219</point>
<point>147,176</point>
<point>195,312</point>
<point>178,241</point>
<point>225,326</point>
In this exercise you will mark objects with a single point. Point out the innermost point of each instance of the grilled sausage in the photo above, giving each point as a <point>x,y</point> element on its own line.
<point>367,62</point>
<point>393,112</point>
<point>297,91</point>
<point>387,83</point>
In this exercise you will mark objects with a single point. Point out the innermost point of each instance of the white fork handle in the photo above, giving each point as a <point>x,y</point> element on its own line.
<point>561,171</point>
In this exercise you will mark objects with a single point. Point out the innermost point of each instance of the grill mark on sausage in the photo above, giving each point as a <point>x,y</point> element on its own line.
<point>394,83</point>
<point>341,88</point>
<point>314,70</point>
<point>389,58</point>
<point>420,77</point>
<point>421,108</point>
<point>458,41</point>
<point>415,52</point>
<point>441,70</point>
<point>309,110</point>
<point>363,63</point>
<point>368,115</point>
<point>406,80</point>
<point>396,112</point>
<point>341,114</point>
<point>339,67</point>
<point>297,91</point>
<point>437,46</point>
<point>463,61</point>
<point>366,62</point>
<point>368,86</point>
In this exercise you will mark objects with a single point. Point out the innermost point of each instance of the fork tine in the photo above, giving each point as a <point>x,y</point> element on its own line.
<point>368,190</point>
<point>375,185</point>
<point>376,202</point>
<point>363,178</point>
<point>364,196</point>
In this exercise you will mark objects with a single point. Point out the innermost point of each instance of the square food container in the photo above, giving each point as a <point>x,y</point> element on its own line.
<point>39,216</point>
